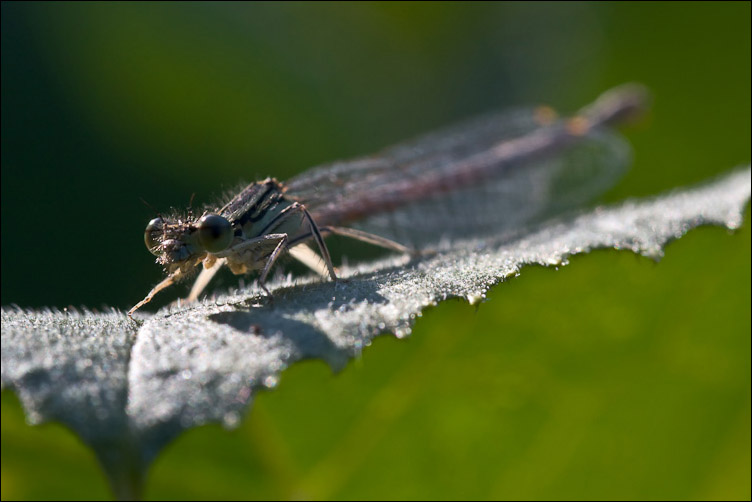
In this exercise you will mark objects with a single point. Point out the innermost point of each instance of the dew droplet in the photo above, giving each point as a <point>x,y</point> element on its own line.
<point>475,298</point>
<point>231,419</point>
<point>271,381</point>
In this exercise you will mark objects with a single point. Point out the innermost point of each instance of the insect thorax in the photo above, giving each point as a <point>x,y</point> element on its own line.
<point>258,210</point>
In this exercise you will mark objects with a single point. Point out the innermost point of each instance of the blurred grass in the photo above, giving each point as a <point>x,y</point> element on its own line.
<point>613,377</point>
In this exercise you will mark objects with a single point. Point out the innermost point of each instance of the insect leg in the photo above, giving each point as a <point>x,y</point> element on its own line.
<point>297,207</point>
<point>240,264</point>
<point>320,241</point>
<point>272,258</point>
<point>309,258</point>
<point>168,281</point>
<point>374,239</point>
<point>204,278</point>
<point>360,235</point>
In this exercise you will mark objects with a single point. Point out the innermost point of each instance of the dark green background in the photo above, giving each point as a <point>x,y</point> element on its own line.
<point>613,377</point>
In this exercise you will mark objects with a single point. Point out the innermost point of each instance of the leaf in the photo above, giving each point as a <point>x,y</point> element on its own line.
<point>128,388</point>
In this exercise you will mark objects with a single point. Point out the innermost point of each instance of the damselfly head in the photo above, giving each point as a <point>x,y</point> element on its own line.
<point>177,243</point>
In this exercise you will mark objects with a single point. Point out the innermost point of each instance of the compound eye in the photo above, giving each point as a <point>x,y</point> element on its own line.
<point>214,233</point>
<point>151,235</point>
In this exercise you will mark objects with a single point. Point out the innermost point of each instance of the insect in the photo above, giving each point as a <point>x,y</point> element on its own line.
<point>492,173</point>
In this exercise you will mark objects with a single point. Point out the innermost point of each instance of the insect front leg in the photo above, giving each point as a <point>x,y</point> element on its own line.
<point>255,254</point>
<point>167,282</point>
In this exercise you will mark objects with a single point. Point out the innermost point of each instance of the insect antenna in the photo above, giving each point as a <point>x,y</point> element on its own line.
<point>152,208</point>
<point>190,206</point>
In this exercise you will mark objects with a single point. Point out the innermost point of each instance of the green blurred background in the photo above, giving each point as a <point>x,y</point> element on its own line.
<point>610,378</point>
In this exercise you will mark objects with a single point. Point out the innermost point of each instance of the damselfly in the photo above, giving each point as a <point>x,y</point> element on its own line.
<point>486,175</point>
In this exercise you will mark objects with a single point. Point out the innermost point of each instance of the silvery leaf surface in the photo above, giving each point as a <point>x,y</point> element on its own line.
<point>129,387</point>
